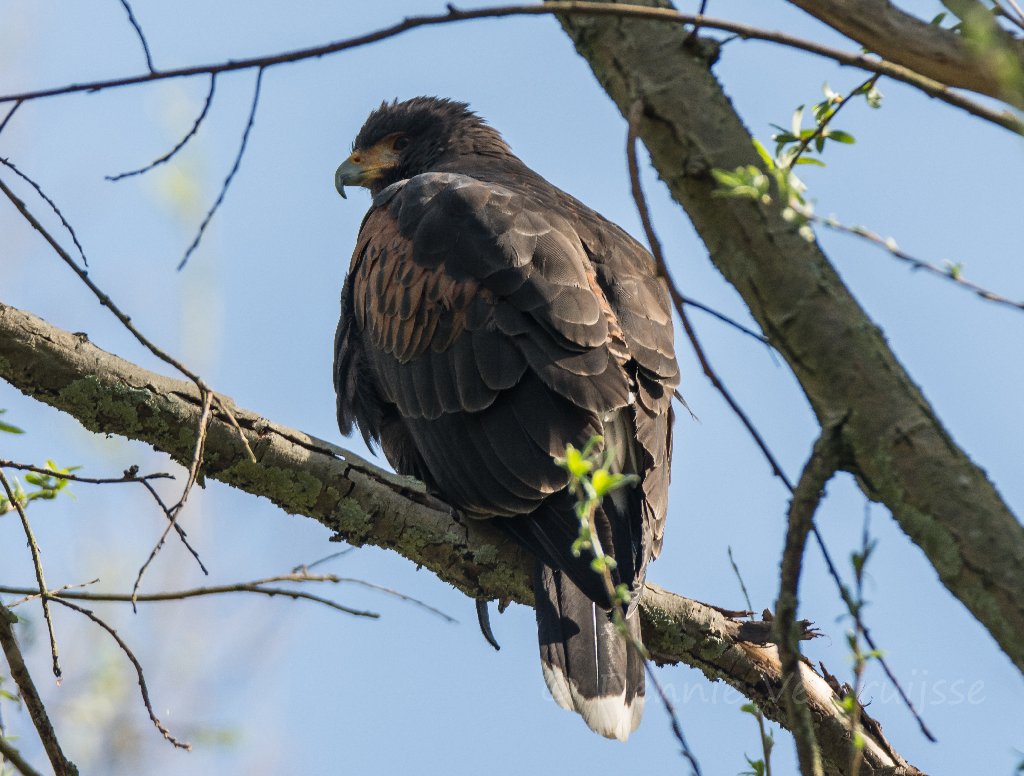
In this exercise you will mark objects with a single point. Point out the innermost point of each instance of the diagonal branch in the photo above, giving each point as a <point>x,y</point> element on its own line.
<point>365,505</point>
<point>925,48</point>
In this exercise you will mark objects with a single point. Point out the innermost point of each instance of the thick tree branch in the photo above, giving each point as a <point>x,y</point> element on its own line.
<point>899,451</point>
<point>366,505</point>
<point>925,48</point>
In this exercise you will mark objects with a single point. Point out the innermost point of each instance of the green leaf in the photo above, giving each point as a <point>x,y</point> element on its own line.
<point>840,137</point>
<point>763,153</point>
<point>8,427</point>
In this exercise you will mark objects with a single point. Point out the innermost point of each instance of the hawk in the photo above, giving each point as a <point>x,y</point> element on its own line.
<point>488,320</point>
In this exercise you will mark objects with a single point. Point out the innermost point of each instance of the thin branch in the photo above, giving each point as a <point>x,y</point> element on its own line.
<point>951,273</point>
<point>927,85</point>
<point>677,299</point>
<point>30,696</point>
<point>13,756</point>
<point>193,473</point>
<point>135,662</point>
<point>37,563</point>
<point>231,174</point>
<point>823,463</point>
<point>177,527</point>
<point>138,31</point>
<point>10,113</point>
<point>31,594</point>
<point>305,567</point>
<point>725,319</point>
<point>258,586</point>
<point>181,143</point>
<point>127,477</point>
<point>53,205</point>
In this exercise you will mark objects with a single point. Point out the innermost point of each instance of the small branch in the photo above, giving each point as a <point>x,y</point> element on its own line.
<point>823,463</point>
<point>9,754</point>
<point>127,477</point>
<point>10,113</point>
<point>193,473</point>
<point>255,586</point>
<point>181,595</point>
<point>950,273</point>
<point>138,31</point>
<point>37,563</point>
<point>635,115</point>
<point>231,174</point>
<point>927,85</point>
<point>181,143</point>
<point>53,205</point>
<point>135,662</point>
<point>27,689</point>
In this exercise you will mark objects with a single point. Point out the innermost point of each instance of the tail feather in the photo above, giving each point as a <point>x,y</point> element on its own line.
<point>588,666</point>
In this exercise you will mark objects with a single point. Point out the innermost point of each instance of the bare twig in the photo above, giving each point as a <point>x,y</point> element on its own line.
<point>677,299</point>
<point>231,174</point>
<point>305,567</point>
<point>53,205</point>
<point>823,463</point>
<point>138,31</point>
<point>30,696</point>
<point>31,594</point>
<point>177,527</point>
<point>10,113</point>
<point>725,319</point>
<point>193,473</point>
<point>37,563</point>
<point>135,662</point>
<point>181,143</point>
<point>127,477</point>
<point>13,756</point>
<point>259,586</point>
<point>927,85</point>
<point>950,273</point>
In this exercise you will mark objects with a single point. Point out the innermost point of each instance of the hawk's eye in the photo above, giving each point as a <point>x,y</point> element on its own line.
<point>401,143</point>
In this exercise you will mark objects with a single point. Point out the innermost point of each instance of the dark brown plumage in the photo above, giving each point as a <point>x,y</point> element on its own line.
<point>488,319</point>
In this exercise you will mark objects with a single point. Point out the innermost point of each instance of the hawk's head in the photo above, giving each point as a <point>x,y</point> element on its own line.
<point>403,139</point>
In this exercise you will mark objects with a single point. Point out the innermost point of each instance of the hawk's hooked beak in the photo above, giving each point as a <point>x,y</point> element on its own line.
<point>349,173</point>
<point>363,167</point>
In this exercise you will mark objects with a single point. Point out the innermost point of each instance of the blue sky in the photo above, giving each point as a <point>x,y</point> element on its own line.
<point>274,686</point>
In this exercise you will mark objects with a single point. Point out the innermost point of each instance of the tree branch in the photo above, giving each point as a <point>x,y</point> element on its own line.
<point>898,449</point>
<point>580,8</point>
<point>366,505</point>
<point>925,48</point>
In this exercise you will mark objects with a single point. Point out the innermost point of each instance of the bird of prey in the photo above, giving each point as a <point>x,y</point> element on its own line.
<point>488,320</point>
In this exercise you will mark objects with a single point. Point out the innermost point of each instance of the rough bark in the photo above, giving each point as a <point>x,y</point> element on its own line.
<point>894,443</point>
<point>363,504</point>
<point>926,48</point>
